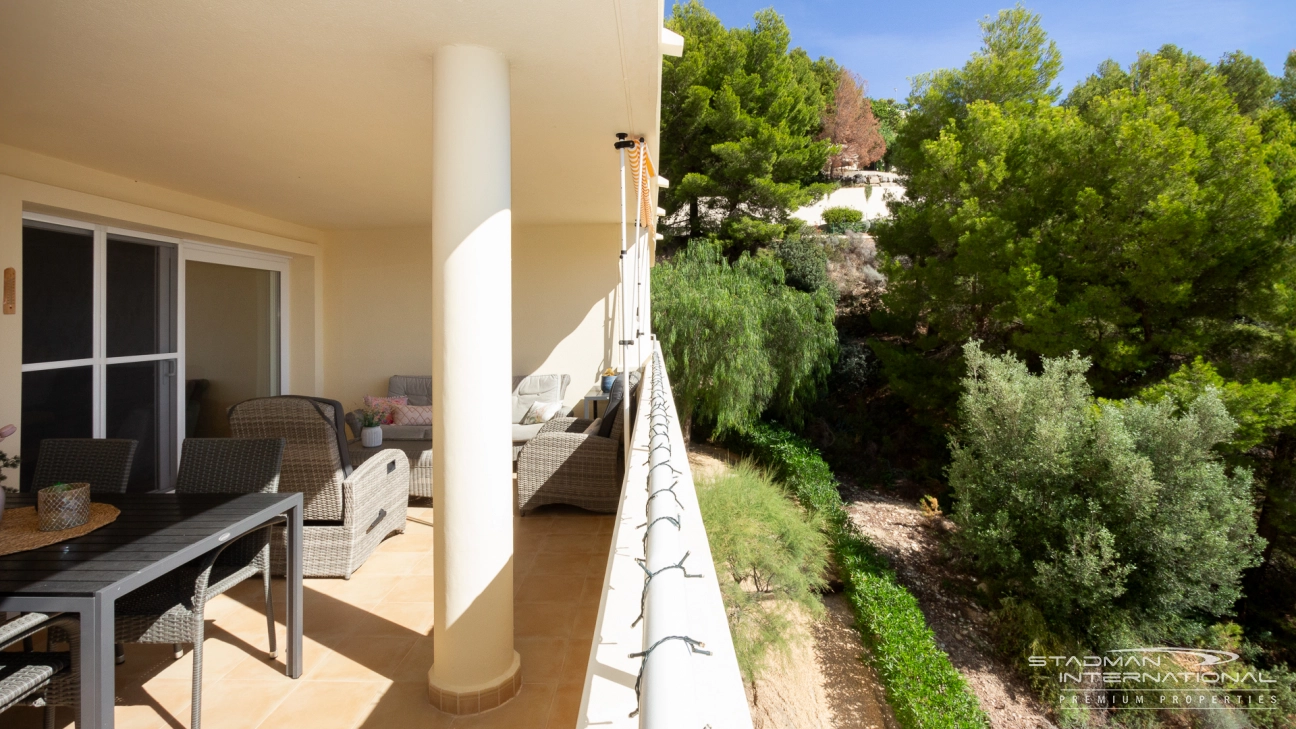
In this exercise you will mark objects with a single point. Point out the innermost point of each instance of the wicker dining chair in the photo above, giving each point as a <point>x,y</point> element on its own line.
<point>171,608</point>
<point>40,678</point>
<point>104,463</point>
<point>347,513</point>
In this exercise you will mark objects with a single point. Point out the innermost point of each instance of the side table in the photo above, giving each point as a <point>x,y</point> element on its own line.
<point>592,398</point>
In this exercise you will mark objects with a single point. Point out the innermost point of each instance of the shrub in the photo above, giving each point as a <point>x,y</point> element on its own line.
<point>844,220</point>
<point>1109,517</point>
<point>804,261</point>
<point>772,549</point>
<point>842,216</point>
<point>737,340</point>
<point>856,368</point>
<point>923,688</point>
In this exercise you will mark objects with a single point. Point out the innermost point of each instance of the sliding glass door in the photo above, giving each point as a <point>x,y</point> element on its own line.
<point>100,354</point>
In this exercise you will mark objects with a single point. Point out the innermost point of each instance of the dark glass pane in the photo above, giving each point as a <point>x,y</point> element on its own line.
<point>141,406</point>
<point>231,342</point>
<point>55,404</point>
<point>141,298</point>
<point>58,294</point>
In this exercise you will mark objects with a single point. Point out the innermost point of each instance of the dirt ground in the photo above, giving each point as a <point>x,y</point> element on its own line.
<point>823,680</point>
<point>913,543</point>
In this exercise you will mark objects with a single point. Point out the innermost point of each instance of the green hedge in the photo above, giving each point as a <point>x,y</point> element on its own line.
<point>923,688</point>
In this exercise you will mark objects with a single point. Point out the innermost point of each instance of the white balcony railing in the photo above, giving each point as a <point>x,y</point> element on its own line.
<point>662,655</point>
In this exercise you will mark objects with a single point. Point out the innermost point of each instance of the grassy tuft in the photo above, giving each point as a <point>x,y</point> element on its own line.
<point>772,550</point>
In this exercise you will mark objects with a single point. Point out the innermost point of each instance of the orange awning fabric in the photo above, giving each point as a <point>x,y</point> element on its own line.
<point>641,171</point>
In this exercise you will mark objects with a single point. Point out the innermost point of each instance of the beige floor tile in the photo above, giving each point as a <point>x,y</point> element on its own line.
<point>559,563</point>
<point>565,708</point>
<point>411,588</point>
<point>405,706</point>
<point>583,525</point>
<point>592,590</point>
<point>326,705</point>
<point>576,662</point>
<point>596,566</point>
<point>159,702</point>
<point>389,563</point>
<point>237,704</point>
<point>398,618</point>
<point>263,668</point>
<point>419,542</point>
<point>247,623</point>
<point>143,661</point>
<point>528,710</point>
<point>359,589</point>
<point>414,666</point>
<point>416,526</point>
<point>563,588</point>
<point>363,658</point>
<point>542,658</point>
<point>549,620</point>
<point>425,565</point>
<point>221,653</point>
<point>582,543</point>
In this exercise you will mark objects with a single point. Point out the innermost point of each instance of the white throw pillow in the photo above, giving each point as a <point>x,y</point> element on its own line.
<point>541,412</point>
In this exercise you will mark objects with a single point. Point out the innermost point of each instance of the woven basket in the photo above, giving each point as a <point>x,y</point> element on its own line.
<point>63,506</point>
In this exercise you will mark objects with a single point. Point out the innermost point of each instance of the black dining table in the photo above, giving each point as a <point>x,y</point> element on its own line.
<point>154,534</point>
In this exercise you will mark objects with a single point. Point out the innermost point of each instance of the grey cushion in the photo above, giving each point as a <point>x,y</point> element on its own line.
<point>615,396</point>
<point>417,388</point>
<point>526,432</point>
<point>537,388</point>
<point>406,432</point>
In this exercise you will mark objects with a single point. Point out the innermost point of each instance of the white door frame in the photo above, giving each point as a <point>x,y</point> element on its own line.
<point>186,250</point>
<point>244,258</point>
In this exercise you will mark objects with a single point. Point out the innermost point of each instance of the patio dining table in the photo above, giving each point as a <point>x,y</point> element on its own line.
<point>154,534</point>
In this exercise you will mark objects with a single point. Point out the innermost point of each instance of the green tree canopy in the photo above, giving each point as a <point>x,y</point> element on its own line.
<point>740,120</point>
<point>1134,223</point>
<point>738,341</point>
<point>1248,81</point>
<point>1287,85</point>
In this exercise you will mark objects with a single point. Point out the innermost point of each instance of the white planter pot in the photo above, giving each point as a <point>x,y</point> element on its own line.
<point>371,437</point>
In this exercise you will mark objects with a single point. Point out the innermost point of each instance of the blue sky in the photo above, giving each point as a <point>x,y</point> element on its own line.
<point>887,43</point>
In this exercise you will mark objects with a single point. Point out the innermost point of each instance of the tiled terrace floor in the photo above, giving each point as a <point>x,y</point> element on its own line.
<point>368,643</point>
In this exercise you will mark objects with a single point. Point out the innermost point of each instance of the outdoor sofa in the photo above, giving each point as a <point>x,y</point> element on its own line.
<point>416,440</point>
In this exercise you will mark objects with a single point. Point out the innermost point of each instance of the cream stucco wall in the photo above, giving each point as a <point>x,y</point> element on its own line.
<point>378,306</point>
<point>377,310</point>
<point>564,302</point>
<point>33,183</point>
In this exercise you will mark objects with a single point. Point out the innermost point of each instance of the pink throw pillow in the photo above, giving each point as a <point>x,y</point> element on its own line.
<point>412,415</point>
<point>385,405</point>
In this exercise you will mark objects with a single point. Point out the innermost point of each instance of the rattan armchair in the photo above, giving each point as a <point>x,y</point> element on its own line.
<point>40,678</point>
<point>171,609</point>
<point>563,464</point>
<point>104,463</point>
<point>348,513</point>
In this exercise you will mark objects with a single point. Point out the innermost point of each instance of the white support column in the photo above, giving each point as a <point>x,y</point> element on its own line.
<point>475,667</point>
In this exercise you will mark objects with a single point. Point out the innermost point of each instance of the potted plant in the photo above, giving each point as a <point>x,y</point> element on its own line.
<point>371,420</point>
<point>609,376</point>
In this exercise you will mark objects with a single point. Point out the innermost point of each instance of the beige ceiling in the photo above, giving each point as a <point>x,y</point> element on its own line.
<point>319,112</point>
